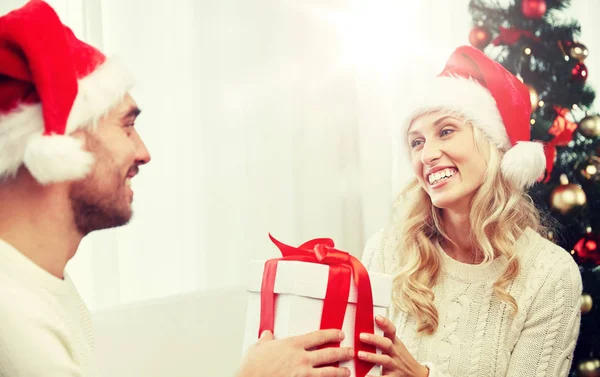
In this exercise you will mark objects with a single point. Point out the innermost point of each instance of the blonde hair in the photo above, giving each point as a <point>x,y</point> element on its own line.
<point>500,212</point>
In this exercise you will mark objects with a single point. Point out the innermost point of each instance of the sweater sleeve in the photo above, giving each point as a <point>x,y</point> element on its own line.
<point>547,341</point>
<point>32,346</point>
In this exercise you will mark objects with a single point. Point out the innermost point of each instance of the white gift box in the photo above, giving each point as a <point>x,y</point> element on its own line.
<point>300,289</point>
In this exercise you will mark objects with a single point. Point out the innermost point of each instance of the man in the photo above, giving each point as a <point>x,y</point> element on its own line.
<point>68,151</point>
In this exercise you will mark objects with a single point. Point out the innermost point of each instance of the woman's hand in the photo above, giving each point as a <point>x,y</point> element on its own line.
<point>395,358</point>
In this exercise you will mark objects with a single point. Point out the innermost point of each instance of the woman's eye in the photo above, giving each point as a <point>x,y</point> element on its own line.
<point>446,131</point>
<point>416,143</point>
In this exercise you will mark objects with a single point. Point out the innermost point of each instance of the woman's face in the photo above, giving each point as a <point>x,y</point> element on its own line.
<point>446,160</point>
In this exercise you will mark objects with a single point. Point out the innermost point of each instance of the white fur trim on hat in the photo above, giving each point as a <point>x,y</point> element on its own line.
<point>466,97</point>
<point>524,163</point>
<point>15,130</point>
<point>97,94</point>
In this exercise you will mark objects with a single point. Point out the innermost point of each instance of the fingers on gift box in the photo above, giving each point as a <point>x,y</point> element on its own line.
<point>312,287</point>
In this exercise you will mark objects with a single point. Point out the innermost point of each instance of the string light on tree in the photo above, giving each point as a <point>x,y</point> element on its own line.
<point>589,368</point>
<point>590,170</point>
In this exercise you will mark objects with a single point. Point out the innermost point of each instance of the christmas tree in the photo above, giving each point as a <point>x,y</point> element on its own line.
<point>535,41</point>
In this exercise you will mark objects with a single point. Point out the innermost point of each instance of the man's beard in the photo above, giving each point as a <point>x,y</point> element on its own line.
<point>95,208</point>
<point>98,200</point>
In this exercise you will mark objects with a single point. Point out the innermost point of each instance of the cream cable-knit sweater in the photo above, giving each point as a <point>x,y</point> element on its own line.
<point>477,336</point>
<point>45,328</point>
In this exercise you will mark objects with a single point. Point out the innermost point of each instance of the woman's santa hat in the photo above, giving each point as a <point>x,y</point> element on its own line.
<point>496,102</point>
<point>51,84</point>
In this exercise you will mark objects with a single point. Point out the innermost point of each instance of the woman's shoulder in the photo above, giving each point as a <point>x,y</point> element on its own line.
<point>548,261</point>
<point>381,251</point>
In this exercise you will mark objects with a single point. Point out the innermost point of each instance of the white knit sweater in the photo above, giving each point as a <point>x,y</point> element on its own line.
<point>45,328</point>
<point>477,336</point>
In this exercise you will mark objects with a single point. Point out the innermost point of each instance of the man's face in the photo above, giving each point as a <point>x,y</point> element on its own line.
<point>103,199</point>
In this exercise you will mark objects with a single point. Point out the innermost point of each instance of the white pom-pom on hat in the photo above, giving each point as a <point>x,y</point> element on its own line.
<point>57,158</point>
<point>524,163</point>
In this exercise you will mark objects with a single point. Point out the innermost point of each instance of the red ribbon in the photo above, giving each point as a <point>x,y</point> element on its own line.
<point>512,35</point>
<point>342,268</point>
<point>562,129</point>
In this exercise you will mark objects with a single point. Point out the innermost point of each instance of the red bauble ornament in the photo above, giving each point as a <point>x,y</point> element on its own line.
<point>533,9</point>
<point>579,72</point>
<point>479,37</point>
<point>587,249</point>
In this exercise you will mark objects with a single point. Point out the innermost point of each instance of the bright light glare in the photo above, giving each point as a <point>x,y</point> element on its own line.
<point>377,34</point>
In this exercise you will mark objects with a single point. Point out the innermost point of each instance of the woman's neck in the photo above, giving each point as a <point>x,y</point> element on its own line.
<point>458,229</point>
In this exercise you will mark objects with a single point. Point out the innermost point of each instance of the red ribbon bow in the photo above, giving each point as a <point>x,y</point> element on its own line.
<point>342,268</point>
<point>562,129</point>
<point>512,35</point>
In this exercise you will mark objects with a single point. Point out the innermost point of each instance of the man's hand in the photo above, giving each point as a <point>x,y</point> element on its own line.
<point>296,356</point>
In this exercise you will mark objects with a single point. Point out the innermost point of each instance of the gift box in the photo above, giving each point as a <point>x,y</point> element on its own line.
<point>312,287</point>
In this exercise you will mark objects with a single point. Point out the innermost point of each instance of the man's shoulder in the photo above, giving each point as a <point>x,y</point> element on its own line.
<point>24,310</point>
<point>33,333</point>
<point>20,303</point>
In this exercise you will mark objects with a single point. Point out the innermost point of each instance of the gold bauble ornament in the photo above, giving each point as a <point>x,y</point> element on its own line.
<point>589,368</point>
<point>533,97</point>
<point>586,303</point>
<point>590,126</point>
<point>590,169</point>
<point>567,198</point>
<point>578,51</point>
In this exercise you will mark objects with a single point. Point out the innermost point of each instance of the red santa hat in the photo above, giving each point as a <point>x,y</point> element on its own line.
<point>51,84</point>
<point>496,102</point>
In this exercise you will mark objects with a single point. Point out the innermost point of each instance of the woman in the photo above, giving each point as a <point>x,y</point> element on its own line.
<point>478,291</point>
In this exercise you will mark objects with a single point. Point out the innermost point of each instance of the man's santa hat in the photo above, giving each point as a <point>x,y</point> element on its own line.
<point>51,84</point>
<point>496,102</point>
